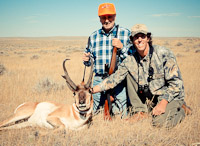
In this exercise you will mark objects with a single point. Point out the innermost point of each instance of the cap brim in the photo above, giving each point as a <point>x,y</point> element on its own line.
<point>136,32</point>
<point>106,13</point>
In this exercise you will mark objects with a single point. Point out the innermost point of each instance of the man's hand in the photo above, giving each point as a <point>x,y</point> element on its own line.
<point>96,89</point>
<point>86,56</point>
<point>117,43</point>
<point>160,107</point>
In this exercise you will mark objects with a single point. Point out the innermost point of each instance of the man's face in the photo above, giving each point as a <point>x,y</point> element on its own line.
<point>140,41</point>
<point>107,21</point>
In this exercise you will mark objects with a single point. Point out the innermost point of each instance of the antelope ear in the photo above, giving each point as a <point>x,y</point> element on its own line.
<point>63,76</point>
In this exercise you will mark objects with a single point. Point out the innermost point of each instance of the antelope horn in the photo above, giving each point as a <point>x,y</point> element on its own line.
<point>70,83</point>
<point>89,82</point>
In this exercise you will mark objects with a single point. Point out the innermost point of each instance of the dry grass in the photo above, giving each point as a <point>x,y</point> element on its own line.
<point>31,63</point>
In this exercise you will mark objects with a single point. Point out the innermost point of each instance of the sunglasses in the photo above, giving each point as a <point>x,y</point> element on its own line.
<point>143,36</point>
<point>105,17</point>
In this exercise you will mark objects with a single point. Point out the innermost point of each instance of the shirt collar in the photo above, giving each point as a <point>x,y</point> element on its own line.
<point>111,31</point>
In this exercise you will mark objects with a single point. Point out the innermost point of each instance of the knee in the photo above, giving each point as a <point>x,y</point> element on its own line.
<point>157,121</point>
<point>160,121</point>
<point>168,120</point>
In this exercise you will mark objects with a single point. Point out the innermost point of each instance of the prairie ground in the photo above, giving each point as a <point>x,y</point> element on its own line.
<point>31,69</point>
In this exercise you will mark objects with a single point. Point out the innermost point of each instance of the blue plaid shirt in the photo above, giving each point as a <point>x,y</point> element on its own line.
<point>100,47</point>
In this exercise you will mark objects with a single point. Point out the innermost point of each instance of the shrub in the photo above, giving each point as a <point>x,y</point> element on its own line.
<point>34,57</point>
<point>197,46</point>
<point>179,55</point>
<point>166,43</point>
<point>179,44</point>
<point>47,85</point>
<point>197,51</point>
<point>2,69</point>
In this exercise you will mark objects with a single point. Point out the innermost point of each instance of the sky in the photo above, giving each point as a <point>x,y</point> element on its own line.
<point>43,18</point>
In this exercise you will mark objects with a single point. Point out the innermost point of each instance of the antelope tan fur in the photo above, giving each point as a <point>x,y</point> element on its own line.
<point>55,115</point>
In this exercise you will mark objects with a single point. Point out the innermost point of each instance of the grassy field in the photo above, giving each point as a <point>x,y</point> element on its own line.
<point>31,69</point>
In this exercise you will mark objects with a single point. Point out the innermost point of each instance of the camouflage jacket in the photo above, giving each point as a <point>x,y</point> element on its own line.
<point>166,82</point>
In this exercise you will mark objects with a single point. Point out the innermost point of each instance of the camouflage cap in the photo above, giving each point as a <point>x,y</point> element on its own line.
<point>138,28</point>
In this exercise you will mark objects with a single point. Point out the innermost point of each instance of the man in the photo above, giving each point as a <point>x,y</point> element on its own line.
<point>100,46</point>
<point>154,81</point>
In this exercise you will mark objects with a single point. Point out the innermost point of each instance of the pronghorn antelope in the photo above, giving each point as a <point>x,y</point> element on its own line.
<point>54,115</point>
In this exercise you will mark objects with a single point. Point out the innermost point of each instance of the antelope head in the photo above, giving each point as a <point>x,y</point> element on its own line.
<point>83,97</point>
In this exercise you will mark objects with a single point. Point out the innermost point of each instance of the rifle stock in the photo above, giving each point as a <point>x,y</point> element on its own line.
<point>107,106</point>
<point>106,111</point>
<point>113,61</point>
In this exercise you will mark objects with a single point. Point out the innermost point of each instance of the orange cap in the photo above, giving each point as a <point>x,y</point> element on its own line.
<point>106,8</point>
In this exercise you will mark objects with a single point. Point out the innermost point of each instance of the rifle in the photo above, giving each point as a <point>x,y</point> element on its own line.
<point>87,52</point>
<point>109,98</point>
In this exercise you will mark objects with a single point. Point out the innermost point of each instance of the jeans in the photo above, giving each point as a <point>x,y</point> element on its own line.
<point>120,102</point>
